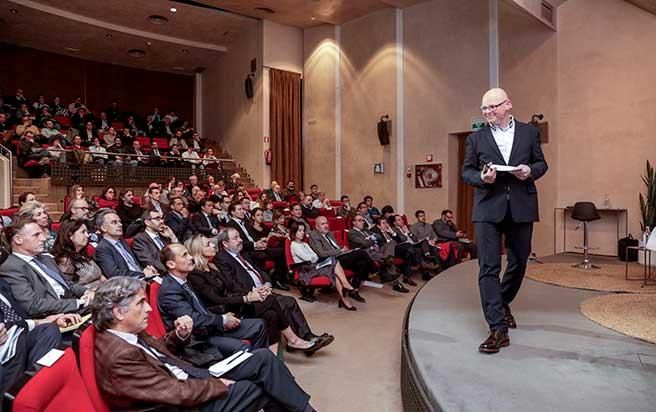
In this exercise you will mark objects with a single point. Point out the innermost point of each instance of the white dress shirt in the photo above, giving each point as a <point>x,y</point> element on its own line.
<point>59,289</point>
<point>504,138</point>
<point>184,281</point>
<point>256,279</point>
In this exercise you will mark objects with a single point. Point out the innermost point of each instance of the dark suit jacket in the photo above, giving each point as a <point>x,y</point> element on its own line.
<point>33,293</point>
<point>492,200</point>
<point>200,225</point>
<point>321,246</point>
<point>147,252</point>
<point>309,212</point>
<point>112,262</point>
<point>179,224</point>
<point>5,290</point>
<point>358,239</point>
<point>235,278</point>
<point>130,379</point>
<point>214,289</point>
<point>444,230</point>
<point>248,245</point>
<point>174,301</point>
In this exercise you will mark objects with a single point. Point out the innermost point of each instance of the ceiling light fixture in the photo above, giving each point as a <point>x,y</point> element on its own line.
<point>313,18</point>
<point>178,68</point>
<point>185,50</point>
<point>157,19</point>
<point>13,11</point>
<point>109,35</point>
<point>173,9</point>
<point>136,53</point>
<point>72,49</point>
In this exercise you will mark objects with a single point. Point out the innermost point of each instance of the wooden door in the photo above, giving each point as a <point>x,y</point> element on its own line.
<point>465,192</point>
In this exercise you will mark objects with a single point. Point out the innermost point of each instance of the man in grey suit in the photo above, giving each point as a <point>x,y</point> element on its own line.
<point>146,245</point>
<point>35,280</point>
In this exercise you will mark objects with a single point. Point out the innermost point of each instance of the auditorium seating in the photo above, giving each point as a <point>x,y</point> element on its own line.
<point>156,326</point>
<point>86,359</point>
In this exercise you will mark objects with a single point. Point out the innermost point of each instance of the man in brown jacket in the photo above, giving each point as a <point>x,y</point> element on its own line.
<point>135,370</point>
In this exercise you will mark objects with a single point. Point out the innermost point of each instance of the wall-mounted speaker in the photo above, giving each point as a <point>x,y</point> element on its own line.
<point>384,130</point>
<point>253,65</point>
<point>248,86</point>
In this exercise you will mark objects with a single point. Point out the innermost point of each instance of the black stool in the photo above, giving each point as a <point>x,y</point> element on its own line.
<point>585,212</point>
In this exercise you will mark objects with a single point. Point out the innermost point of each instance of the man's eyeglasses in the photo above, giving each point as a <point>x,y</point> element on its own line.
<point>492,107</point>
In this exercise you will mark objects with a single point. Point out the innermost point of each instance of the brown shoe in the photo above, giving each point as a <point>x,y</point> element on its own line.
<point>509,318</point>
<point>494,342</point>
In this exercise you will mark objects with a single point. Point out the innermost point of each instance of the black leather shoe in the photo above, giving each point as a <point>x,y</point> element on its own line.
<point>509,318</point>
<point>409,281</point>
<point>398,287</point>
<point>325,339</point>
<point>309,351</point>
<point>427,276</point>
<point>281,286</point>
<point>494,342</point>
<point>355,295</point>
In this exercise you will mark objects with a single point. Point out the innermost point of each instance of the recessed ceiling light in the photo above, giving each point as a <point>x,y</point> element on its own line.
<point>313,18</point>
<point>185,50</point>
<point>157,19</point>
<point>178,68</point>
<point>136,53</point>
<point>149,43</point>
<point>71,49</point>
<point>173,9</point>
<point>13,11</point>
<point>109,35</point>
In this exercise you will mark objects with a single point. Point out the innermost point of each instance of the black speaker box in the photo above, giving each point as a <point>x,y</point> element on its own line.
<point>384,131</point>
<point>248,87</point>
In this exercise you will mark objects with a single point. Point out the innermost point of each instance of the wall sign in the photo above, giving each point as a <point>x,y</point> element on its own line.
<point>379,168</point>
<point>428,176</point>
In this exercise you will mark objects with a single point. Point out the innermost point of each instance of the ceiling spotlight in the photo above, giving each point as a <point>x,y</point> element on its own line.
<point>173,9</point>
<point>157,19</point>
<point>136,53</point>
<point>109,35</point>
<point>178,68</point>
<point>13,11</point>
<point>185,50</point>
<point>313,18</point>
<point>149,43</point>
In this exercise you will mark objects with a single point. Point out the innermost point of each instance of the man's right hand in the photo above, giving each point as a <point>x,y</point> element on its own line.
<point>3,334</point>
<point>254,296</point>
<point>490,176</point>
<point>231,322</point>
<point>150,271</point>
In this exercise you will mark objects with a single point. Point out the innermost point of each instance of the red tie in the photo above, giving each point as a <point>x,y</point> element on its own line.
<point>249,267</point>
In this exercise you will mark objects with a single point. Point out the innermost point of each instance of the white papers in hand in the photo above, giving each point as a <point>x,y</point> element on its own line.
<point>50,358</point>
<point>228,363</point>
<point>504,168</point>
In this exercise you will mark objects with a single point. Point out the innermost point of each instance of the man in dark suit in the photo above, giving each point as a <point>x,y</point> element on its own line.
<point>309,211</point>
<point>448,232</point>
<point>257,249</point>
<point>35,280</point>
<point>205,222</point>
<point>176,298</point>
<point>505,203</point>
<point>38,336</point>
<point>113,254</point>
<point>146,245</point>
<point>391,244</point>
<point>136,370</point>
<point>177,221</point>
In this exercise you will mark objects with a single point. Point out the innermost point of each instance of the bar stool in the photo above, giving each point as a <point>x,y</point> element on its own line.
<point>585,212</point>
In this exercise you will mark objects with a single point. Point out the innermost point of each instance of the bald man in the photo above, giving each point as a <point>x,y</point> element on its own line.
<point>505,203</point>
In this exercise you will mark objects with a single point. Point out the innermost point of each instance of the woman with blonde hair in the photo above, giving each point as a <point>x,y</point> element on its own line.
<point>38,213</point>
<point>215,289</point>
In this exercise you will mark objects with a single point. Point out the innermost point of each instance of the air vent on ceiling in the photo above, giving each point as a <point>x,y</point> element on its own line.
<point>265,9</point>
<point>156,19</point>
<point>547,12</point>
<point>136,53</point>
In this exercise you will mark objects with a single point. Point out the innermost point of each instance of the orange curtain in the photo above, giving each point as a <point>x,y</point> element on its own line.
<point>286,138</point>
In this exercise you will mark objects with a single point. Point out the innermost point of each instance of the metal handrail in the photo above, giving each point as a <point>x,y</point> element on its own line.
<point>7,153</point>
<point>145,154</point>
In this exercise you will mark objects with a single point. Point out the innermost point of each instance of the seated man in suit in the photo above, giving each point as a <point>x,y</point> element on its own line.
<point>346,210</point>
<point>153,200</point>
<point>391,244</point>
<point>146,245</point>
<point>35,279</point>
<point>371,209</point>
<point>426,252</point>
<point>448,232</point>
<point>205,222</point>
<point>240,276</point>
<point>309,211</point>
<point>423,230</point>
<point>363,210</point>
<point>113,254</point>
<point>135,370</point>
<point>37,336</point>
<point>257,250</point>
<point>176,298</point>
<point>323,242</point>
<point>178,220</point>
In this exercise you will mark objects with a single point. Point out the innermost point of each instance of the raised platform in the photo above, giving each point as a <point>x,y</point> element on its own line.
<point>557,361</point>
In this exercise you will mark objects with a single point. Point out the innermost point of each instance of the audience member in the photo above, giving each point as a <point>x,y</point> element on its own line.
<point>108,198</point>
<point>314,192</point>
<point>371,209</point>
<point>279,228</point>
<point>156,235</point>
<point>363,210</point>
<point>423,250</point>
<point>178,220</point>
<point>32,157</point>
<point>191,158</point>
<point>135,370</point>
<point>37,212</point>
<point>390,245</point>
<point>322,202</point>
<point>113,254</point>
<point>98,152</point>
<point>127,209</point>
<point>290,194</point>
<point>346,211</point>
<point>448,232</point>
<point>26,197</point>
<point>205,222</point>
<point>70,253</point>
<point>36,281</point>
<point>140,158</point>
<point>88,133</point>
<point>153,200</point>
<point>296,215</point>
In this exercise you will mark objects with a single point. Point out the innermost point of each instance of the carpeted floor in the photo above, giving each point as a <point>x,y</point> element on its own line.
<point>610,278</point>
<point>360,370</point>
<point>631,314</point>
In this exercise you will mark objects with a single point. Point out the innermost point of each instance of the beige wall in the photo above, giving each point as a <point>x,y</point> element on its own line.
<point>229,118</point>
<point>282,47</point>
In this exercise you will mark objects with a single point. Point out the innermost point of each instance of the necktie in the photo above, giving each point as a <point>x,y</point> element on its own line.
<point>194,372</point>
<point>159,243</point>
<point>331,241</point>
<point>200,306</point>
<point>250,268</point>
<point>243,228</point>
<point>209,221</point>
<point>10,315</point>
<point>50,272</point>
<point>127,256</point>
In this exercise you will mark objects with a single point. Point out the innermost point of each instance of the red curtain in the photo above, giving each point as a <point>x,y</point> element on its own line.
<point>286,137</point>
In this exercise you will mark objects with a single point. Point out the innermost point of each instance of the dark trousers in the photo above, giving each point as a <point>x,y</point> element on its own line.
<point>294,316</point>
<point>31,346</point>
<point>409,255</point>
<point>360,263</point>
<point>262,382</point>
<point>496,293</point>
<point>277,255</point>
<point>230,342</point>
<point>273,315</point>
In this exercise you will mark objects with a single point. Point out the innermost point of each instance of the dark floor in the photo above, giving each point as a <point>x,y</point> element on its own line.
<point>557,361</point>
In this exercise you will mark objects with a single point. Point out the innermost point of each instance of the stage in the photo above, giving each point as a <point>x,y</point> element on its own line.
<point>558,360</point>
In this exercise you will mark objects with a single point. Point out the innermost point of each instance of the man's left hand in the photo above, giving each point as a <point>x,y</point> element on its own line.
<point>524,172</point>
<point>183,326</point>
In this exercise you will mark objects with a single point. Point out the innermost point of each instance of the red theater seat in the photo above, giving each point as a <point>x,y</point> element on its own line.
<point>64,121</point>
<point>327,212</point>
<point>88,368</point>
<point>8,212</point>
<point>55,389</point>
<point>318,282</point>
<point>156,326</point>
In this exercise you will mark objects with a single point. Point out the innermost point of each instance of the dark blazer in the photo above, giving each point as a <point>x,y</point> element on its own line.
<point>33,293</point>
<point>236,280</point>
<point>359,239</point>
<point>248,245</point>
<point>199,224</point>
<point>309,212</point>
<point>5,290</point>
<point>173,301</point>
<point>112,262</point>
<point>215,289</point>
<point>131,379</point>
<point>492,200</point>
<point>321,246</point>
<point>147,252</point>
<point>444,230</point>
<point>179,224</point>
